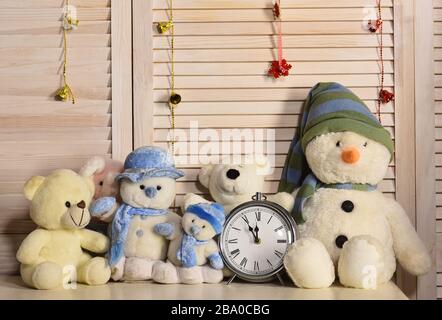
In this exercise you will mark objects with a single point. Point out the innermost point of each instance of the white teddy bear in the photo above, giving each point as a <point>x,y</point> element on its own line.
<point>233,184</point>
<point>147,190</point>
<point>347,226</point>
<point>192,246</point>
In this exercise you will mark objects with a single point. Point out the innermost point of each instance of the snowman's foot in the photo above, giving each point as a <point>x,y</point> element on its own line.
<point>165,272</point>
<point>117,271</point>
<point>193,275</point>
<point>309,265</point>
<point>362,263</point>
<point>211,275</point>
<point>138,269</point>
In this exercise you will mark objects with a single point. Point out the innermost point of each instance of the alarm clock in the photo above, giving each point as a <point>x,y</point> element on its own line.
<point>255,239</point>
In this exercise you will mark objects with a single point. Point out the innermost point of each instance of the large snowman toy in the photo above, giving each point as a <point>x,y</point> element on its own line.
<point>347,227</point>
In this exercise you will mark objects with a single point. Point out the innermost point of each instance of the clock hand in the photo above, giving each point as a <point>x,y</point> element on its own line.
<point>257,240</point>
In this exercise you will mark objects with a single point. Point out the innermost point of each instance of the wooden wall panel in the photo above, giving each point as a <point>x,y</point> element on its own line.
<point>437,30</point>
<point>39,134</point>
<point>223,50</point>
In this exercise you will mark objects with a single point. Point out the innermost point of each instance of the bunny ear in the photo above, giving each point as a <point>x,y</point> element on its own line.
<point>93,166</point>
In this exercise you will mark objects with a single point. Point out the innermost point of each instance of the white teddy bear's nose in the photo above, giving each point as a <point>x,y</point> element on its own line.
<point>195,230</point>
<point>232,174</point>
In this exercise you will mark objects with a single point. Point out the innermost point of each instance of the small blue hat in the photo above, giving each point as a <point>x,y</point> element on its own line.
<point>211,212</point>
<point>149,162</point>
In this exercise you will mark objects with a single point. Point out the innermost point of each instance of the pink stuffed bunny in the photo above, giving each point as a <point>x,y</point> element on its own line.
<point>103,172</point>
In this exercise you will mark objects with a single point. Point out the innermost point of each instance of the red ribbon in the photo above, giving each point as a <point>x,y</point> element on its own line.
<point>281,67</point>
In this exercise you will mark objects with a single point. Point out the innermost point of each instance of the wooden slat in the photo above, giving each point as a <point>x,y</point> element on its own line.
<point>261,94</point>
<point>297,41</point>
<point>53,134</point>
<point>76,80</point>
<point>297,81</point>
<point>53,3</point>
<point>55,147</point>
<point>51,27</point>
<point>76,68</point>
<point>38,55</point>
<point>42,121</point>
<point>9,244</point>
<point>261,68</point>
<point>247,4</point>
<point>54,41</point>
<point>266,28</point>
<point>314,14</point>
<point>266,55</point>
<point>54,14</point>
<point>258,107</point>
<point>241,121</point>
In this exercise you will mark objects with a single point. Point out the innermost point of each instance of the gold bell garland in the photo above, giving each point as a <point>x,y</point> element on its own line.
<point>174,98</point>
<point>69,23</point>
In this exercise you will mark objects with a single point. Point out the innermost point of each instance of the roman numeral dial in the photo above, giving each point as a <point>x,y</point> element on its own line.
<point>255,240</point>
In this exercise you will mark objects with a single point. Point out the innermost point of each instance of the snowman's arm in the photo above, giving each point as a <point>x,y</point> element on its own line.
<point>212,254</point>
<point>104,208</point>
<point>408,247</point>
<point>168,230</point>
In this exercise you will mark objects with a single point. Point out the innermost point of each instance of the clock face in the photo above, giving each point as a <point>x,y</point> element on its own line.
<point>255,240</point>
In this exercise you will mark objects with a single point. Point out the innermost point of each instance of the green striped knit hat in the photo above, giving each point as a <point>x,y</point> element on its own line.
<point>329,107</point>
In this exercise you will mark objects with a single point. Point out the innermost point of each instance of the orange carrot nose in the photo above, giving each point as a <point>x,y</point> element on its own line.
<point>350,155</point>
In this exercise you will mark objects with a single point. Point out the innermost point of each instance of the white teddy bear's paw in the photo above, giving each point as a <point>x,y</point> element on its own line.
<point>362,263</point>
<point>138,269</point>
<point>284,199</point>
<point>309,265</point>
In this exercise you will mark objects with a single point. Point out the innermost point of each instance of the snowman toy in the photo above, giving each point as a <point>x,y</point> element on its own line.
<point>348,229</point>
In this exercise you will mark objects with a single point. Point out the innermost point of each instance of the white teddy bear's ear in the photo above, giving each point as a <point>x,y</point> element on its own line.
<point>263,165</point>
<point>93,165</point>
<point>204,175</point>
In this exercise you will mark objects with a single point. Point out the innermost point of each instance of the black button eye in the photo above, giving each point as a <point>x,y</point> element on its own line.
<point>142,187</point>
<point>365,144</point>
<point>67,204</point>
<point>101,183</point>
<point>204,227</point>
<point>193,220</point>
<point>338,144</point>
<point>158,188</point>
<point>340,240</point>
<point>347,206</point>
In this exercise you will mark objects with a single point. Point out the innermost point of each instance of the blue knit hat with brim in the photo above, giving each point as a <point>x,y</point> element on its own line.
<point>149,162</point>
<point>211,212</point>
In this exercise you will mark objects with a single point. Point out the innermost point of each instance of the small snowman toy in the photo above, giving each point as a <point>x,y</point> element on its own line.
<point>147,190</point>
<point>347,227</point>
<point>193,255</point>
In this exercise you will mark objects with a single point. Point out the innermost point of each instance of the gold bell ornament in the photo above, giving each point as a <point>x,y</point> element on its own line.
<point>163,27</point>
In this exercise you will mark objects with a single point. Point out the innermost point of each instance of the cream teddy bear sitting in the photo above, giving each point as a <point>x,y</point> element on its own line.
<point>346,224</point>
<point>191,246</point>
<point>53,255</point>
<point>147,190</point>
<point>233,184</point>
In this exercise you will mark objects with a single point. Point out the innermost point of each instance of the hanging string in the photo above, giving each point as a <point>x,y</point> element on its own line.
<point>174,98</point>
<point>378,26</point>
<point>172,106</point>
<point>280,67</point>
<point>69,23</point>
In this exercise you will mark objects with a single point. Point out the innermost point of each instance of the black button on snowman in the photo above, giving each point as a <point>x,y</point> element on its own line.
<point>347,206</point>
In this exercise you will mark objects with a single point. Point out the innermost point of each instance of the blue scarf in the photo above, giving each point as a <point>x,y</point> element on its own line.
<point>186,253</point>
<point>311,184</point>
<point>120,227</point>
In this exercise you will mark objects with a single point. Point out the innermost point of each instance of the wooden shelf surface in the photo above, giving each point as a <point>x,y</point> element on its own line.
<point>11,287</point>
